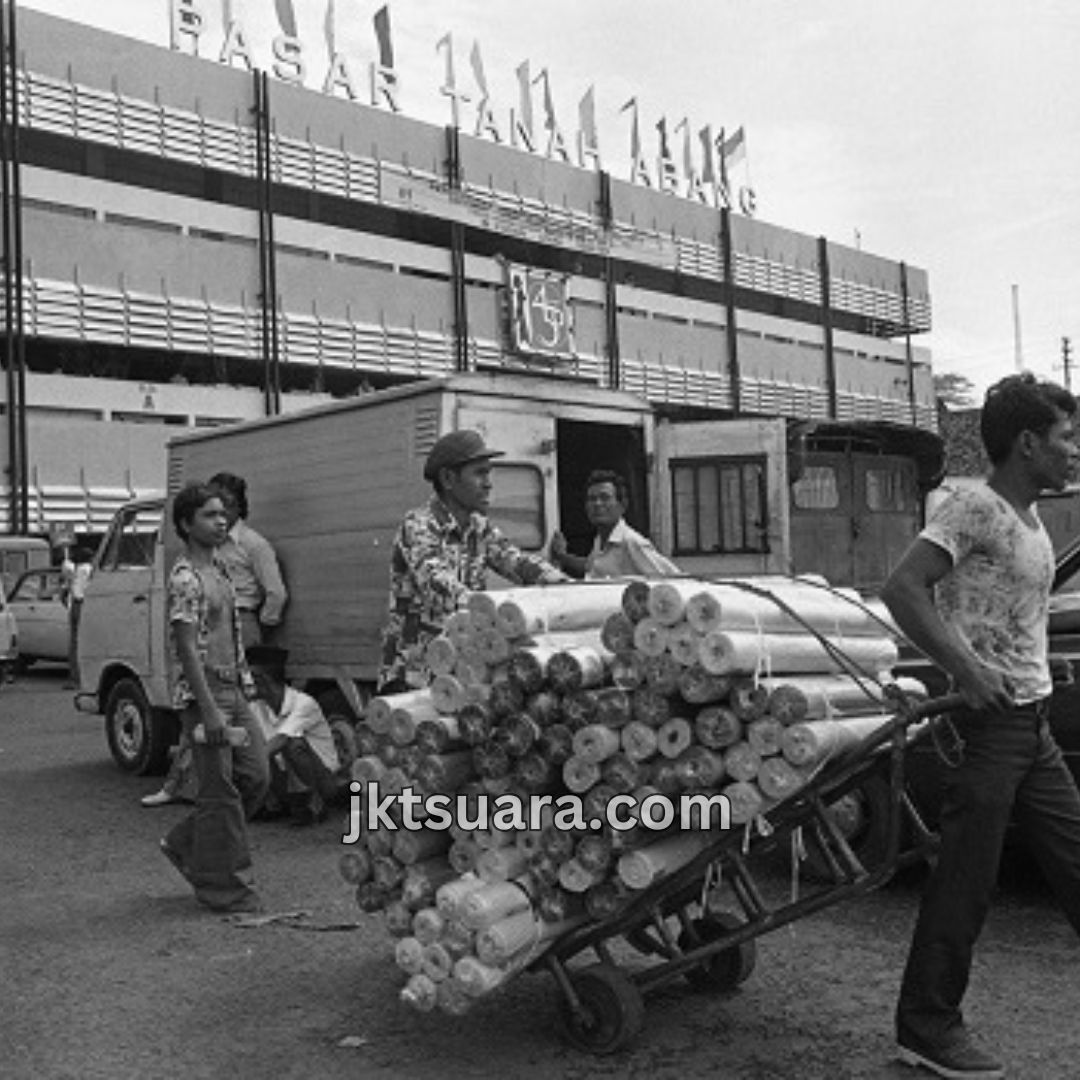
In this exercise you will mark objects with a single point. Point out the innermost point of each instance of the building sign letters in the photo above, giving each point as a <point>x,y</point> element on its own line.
<point>696,166</point>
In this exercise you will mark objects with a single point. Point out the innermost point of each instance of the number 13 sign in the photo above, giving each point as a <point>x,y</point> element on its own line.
<point>540,317</point>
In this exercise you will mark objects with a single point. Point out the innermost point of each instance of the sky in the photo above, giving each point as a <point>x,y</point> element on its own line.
<point>938,132</point>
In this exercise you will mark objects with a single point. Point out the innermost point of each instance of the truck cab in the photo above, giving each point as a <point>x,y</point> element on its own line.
<point>122,671</point>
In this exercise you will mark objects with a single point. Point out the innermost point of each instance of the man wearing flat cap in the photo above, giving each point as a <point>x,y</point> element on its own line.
<point>442,552</point>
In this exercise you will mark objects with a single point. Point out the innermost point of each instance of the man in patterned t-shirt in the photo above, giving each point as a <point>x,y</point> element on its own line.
<point>209,683</point>
<point>442,552</point>
<point>973,593</point>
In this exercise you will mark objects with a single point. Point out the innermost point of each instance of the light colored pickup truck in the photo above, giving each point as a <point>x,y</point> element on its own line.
<point>121,640</point>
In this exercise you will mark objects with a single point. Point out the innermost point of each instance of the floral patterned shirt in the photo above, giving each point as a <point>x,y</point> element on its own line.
<point>188,603</point>
<point>434,566</point>
<point>997,595</point>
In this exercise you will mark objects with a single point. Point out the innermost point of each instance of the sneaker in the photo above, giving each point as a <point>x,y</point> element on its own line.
<point>955,1058</point>
<point>159,798</point>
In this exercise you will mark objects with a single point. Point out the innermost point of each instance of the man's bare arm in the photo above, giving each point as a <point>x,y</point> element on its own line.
<point>909,596</point>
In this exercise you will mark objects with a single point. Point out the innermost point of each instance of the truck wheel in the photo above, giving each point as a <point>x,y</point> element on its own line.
<point>863,818</point>
<point>139,737</point>
<point>342,720</point>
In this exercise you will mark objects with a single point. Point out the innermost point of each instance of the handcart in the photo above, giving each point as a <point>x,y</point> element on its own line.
<point>602,1006</point>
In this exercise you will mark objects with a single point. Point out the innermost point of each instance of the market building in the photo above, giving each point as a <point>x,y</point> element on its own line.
<point>201,244</point>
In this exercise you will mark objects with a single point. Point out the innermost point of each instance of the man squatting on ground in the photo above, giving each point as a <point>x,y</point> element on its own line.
<point>973,593</point>
<point>299,742</point>
<point>209,679</point>
<point>442,552</point>
<point>618,550</point>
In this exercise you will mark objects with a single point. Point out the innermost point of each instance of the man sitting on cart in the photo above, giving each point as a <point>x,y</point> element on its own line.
<point>973,593</point>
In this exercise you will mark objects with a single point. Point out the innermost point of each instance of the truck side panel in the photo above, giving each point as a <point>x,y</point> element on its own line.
<point>328,492</point>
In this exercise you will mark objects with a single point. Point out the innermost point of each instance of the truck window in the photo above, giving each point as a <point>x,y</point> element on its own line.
<point>720,506</point>
<point>890,491</point>
<point>131,539</point>
<point>816,489</point>
<point>30,588</point>
<point>518,504</point>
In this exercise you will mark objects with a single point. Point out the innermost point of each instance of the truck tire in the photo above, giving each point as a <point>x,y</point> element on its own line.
<point>139,737</point>
<point>863,817</point>
<point>342,720</point>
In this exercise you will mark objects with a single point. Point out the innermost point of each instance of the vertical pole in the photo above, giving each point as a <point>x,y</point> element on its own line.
<point>271,254</point>
<point>17,234</point>
<point>9,306</point>
<point>909,361</point>
<point>1018,347</point>
<point>827,327</point>
<point>11,227</point>
<point>459,298</point>
<point>606,212</point>
<point>731,329</point>
<point>264,277</point>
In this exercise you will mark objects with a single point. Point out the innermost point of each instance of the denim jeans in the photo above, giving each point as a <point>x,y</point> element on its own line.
<point>1011,767</point>
<point>211,843</point>
<point>304,772</point>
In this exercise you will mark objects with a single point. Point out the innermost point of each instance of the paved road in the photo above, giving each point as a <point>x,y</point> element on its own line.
<point>109,971</point>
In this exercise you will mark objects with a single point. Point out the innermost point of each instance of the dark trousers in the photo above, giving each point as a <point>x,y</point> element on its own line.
<point>303,772</point>
<point>74,617</point>
<point>211,843</point>
<point>1011,765</point>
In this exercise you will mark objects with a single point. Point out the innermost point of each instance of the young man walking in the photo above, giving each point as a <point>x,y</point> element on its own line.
<point>209,681</point>
<point>973,593</point>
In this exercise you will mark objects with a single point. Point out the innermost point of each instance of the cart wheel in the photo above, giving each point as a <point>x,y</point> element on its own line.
<point>613,1010</point>
<point>723,970</point>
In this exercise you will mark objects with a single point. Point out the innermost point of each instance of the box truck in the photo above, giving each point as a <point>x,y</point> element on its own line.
<point>329,486</point>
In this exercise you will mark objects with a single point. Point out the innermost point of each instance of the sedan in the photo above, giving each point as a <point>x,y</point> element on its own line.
<point>41,615</point>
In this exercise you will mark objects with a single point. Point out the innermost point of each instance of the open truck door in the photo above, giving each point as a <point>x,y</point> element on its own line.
<point>551,446</point>
<point>722,493</point>
<point>857,492</point>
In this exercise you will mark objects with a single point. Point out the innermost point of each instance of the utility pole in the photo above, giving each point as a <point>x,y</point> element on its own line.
<point>1016,328</point>
<point>1066,362</point>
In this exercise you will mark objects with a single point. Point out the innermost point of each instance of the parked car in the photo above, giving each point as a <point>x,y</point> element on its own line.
<point>41,615</point>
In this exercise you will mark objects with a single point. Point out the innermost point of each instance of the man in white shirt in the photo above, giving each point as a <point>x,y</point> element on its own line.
<point>303,758</point>
<point>618,550</point>
<point>251,564</point>
<point>82,566</point>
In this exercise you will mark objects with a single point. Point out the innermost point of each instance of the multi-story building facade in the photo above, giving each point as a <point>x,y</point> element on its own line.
<point>198,244</point>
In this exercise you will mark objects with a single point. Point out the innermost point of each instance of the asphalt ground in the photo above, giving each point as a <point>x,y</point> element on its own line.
<point>109,970</point>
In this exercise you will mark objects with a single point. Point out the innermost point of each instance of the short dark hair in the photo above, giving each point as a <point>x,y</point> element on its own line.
<point>268,658</point>
<point>1020,403</point>
<point>609,476</point>
<point>188,499</point>
<point>235,487</point>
